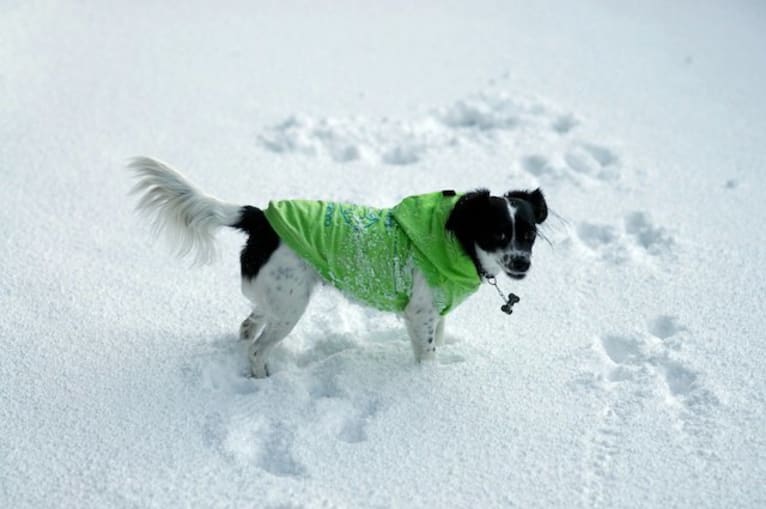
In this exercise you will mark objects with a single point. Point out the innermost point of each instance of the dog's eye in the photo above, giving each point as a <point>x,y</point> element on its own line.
<point>500,236</point>
<point>529,236</point>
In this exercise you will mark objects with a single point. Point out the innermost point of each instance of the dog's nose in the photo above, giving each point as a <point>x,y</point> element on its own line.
<point>520,263</point>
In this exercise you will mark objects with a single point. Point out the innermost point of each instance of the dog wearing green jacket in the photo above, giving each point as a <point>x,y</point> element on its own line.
<point>420,258</point>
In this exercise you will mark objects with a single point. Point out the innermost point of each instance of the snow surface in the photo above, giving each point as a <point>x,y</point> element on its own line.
<point>630,374</point>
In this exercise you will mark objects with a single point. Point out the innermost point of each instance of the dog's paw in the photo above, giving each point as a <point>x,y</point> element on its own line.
<point>259,370</point>
<point>426,355</point>
<point>258,366</point>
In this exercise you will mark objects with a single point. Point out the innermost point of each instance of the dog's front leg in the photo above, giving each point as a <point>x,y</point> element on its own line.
<point>422,319</point>
<point>440,332</point>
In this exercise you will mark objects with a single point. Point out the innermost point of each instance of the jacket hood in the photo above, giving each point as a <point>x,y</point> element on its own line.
<point>424,218</point>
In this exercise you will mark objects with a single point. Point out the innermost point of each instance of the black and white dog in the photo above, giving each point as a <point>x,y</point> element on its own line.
<point>496,232</point>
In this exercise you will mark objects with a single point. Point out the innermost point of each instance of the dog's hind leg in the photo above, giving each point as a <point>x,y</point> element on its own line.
<point>280,293</point>
<point>259,350</point>
<point>252,326</point>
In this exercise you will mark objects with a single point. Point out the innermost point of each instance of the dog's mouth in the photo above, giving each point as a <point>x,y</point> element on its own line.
<point>516,266</point>
<point>516,274</point>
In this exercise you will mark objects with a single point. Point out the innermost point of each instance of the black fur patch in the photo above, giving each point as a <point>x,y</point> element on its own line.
<point>262,241</point>
<point>536,201</point>
<point>479,218</point>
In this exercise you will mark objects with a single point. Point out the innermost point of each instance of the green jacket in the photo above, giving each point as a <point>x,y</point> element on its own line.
<point>370,253</point>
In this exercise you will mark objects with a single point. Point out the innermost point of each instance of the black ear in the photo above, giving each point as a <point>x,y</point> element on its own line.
<point>535,199</point>
<point>467,208</point>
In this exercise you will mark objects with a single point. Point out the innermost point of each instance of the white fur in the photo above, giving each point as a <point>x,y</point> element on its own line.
<point>421,316</point>
<point>512,215</point>
<point>491,262</point>
<point>187,217</point>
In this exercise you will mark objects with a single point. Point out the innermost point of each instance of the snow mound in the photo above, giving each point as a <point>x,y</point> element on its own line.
<point>546,146</point>
<point>478,119</point>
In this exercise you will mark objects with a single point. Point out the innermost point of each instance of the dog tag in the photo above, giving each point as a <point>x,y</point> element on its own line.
<point>507,308</point>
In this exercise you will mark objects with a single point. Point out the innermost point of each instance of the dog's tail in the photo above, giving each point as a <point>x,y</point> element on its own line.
<point>188,217</point>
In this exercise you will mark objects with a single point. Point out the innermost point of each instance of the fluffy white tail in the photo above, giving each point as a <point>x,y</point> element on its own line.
<point>187,217</point>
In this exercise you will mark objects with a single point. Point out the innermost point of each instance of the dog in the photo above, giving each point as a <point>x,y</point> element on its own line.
<point>420,258</point>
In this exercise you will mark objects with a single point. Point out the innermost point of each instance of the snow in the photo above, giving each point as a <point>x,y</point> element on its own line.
<point>629,375</point>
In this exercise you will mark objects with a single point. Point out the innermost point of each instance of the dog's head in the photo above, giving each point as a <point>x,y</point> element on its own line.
<point>498,232</point>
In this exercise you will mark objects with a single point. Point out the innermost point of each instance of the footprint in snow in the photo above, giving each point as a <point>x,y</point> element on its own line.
<point>666,327</point>
<point>538,165</point>
<point>276,455</point>
<point>341,411</point>
<point>563,124</point>
<point>221,366</point>
<point>637,237</point>
<point>647,353</point>
<point>261,429</point>
<point>580,163</point>
<point>593,160</point>
<point>652,360</point>
<point>354,429</point>
<point>634,367</point>
<point>603,240</point>
<point>654,240</point>
<point>214,431</point>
